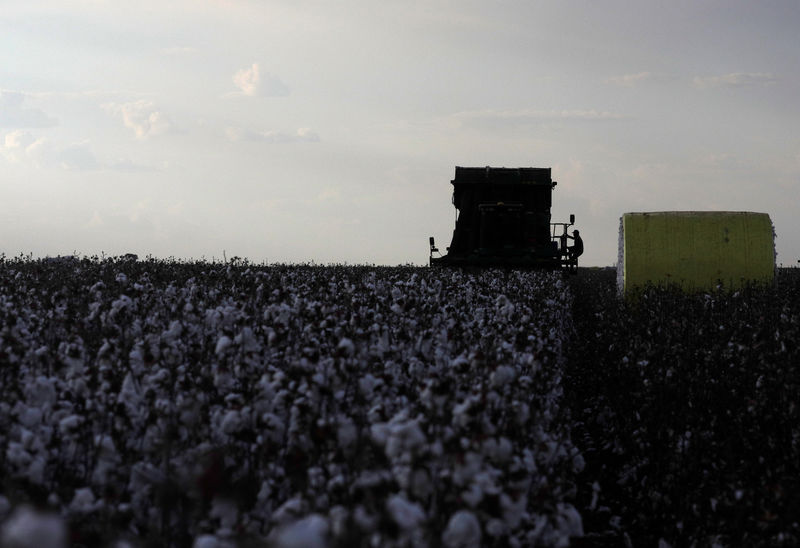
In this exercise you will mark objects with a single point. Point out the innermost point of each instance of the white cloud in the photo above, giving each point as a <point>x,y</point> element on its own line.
<point>504,119</point>
<point>19,140</point>
<point>142,116</point>
<point>14,114</point>
<point>252,83</point>
<point>735,80</point>
<point>302,135</point>
<point>21,146</point>
<point>630,80</point>
<point>75,156</point>
<point>179,50</point>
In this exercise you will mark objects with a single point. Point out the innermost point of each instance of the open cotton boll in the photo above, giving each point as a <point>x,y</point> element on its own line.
<point>407,515</point>
<point>569,521</point>
<point>404,437</point>
<point>27,528</point>
<point>463,531</point>
<point>502,376</point>
<point>346,346</point>
<point>222,344</point>
<point>309,532</point>
<point>226,512</point>
<point>211,541</point>
<point>83,502</point>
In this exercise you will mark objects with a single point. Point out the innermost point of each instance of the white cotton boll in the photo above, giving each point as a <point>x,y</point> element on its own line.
<point>364,520</point>
<point>346,433</point>
<point>17,455</point>
<point>460,361</point>
<point>123,303</point>
<point>498,450</point>
<point>522,412</point>
<point>513,509</point>
<point>210,541</point>
<point>461,415</point>
<point>222,344</point>
<point>36,470</point>
<point>226,512</point>
<point>136,359</point>
<point>578,463</point>
<point>231,422</point>
<point>69,424</point>
<point>463,531</point>
<point>502,376</point>
<point>274,427</point>
<point>468,469</point>
<point>5,507</point>
<point>421,485</point>
<point>83,502</point>
<point>289,511</point>
<point>496,528</point>
<point>42,392</point>
<point>407,515</point>
<point>247,341</point>
<point>309,532</point>
<point>26,528</point>
<point>265,492</point>
<point>338,521</point>
<point>174,331</point>
<point>380,433</point>
<point>30,417</point>
<point>568,521</point>
<point>473,495</point>
<point>346,346</point>
<point>405,437</point>
<point>367,384</point>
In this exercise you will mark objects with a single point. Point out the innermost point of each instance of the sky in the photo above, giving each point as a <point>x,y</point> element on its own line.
<point>308,130</point>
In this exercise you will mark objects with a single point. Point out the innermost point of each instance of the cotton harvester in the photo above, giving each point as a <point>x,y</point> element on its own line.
<point>503,219</point>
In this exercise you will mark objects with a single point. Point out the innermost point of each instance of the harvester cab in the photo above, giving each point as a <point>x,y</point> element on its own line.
<point>503,219</point>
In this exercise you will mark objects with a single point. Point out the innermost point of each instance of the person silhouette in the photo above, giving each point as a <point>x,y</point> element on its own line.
<point>575,251</point>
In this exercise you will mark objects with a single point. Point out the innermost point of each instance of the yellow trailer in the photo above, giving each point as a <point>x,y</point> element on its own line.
<point>695,250</point>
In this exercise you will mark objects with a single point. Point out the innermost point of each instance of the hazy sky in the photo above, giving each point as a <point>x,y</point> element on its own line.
<point>329,131</point>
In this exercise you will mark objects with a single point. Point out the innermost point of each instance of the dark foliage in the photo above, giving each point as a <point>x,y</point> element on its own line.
<point>687,410</point>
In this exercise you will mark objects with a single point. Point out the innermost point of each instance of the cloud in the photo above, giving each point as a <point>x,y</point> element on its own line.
<point>536,115</point>
<point>252,83</point>
<point>142,116</point>
<point>302,135</point>
<point>77,157</point>
<point>21,146</point>
<point>734,80</point>
<point>503,119</point>
<point>630,80</point>
<point>179,50</point>
<point>14,114</point>
<point>73,157</point>
<point>18,140</point>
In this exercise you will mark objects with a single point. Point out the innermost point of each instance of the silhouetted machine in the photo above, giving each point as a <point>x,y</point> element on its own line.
<point>503,219</point>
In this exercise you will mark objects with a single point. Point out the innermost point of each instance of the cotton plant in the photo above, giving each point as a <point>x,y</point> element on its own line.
<point>318,405</point>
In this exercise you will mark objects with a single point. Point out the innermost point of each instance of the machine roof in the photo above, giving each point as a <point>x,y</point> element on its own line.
<point>502,175</point>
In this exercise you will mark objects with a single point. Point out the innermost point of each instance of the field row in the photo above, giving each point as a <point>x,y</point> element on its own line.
<point>193,403</point>
<point>687,410</point>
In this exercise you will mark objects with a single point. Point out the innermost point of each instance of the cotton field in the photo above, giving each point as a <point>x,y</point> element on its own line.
<point>212,405</point>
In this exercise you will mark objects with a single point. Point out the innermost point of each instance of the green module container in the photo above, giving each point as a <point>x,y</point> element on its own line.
<point>695,250</point>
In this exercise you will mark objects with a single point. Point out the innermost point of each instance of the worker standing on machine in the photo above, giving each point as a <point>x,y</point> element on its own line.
<point>575,251</point>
